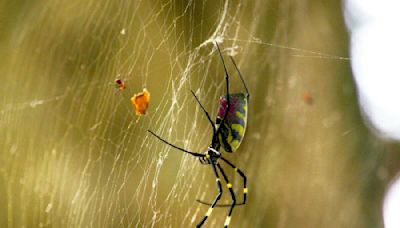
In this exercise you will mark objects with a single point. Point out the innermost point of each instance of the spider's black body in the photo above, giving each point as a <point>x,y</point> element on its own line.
<point>228,132</point>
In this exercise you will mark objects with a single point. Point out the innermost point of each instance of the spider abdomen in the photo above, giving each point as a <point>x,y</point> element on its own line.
<point>232,131</point>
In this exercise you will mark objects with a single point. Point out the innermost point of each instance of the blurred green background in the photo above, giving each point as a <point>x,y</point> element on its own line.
<point>72,153</point>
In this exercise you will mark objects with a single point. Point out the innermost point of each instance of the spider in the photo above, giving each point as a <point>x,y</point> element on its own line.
<point>228,133</point>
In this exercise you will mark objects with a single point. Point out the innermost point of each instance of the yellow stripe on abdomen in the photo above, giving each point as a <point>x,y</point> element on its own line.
<point>239,129</point>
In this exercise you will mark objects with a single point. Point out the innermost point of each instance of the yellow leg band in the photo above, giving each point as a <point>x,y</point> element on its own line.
<point>229,185</point>
<point>207,156</point>
<point>209,211</point>
<point>245,190</point>
<point>227,221</point>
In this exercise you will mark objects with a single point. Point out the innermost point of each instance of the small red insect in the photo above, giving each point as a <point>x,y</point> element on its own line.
<point>119,84</point>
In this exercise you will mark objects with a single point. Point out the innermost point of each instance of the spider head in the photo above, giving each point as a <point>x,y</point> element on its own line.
<point>213,152</point>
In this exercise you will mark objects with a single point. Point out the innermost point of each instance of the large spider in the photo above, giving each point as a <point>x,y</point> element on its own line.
<point>228,132</point>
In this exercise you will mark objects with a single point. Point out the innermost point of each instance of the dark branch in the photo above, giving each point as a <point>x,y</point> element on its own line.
<point>219,205</point>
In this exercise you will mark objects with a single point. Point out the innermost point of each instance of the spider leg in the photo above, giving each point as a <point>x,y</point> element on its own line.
<point>204,161</point>
<point>244,186</point>
<point>216,198</point>
<point>240,75</point>
<point>176,147</point>
<point>204,110</point>
<point>229,186</point>
<point>227,86</point>
<point>242,175</point>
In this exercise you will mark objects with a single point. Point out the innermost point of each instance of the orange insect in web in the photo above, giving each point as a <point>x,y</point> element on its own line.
<point>141,102</point>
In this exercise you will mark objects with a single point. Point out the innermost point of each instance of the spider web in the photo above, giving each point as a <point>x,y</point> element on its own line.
<point>74,154</point>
